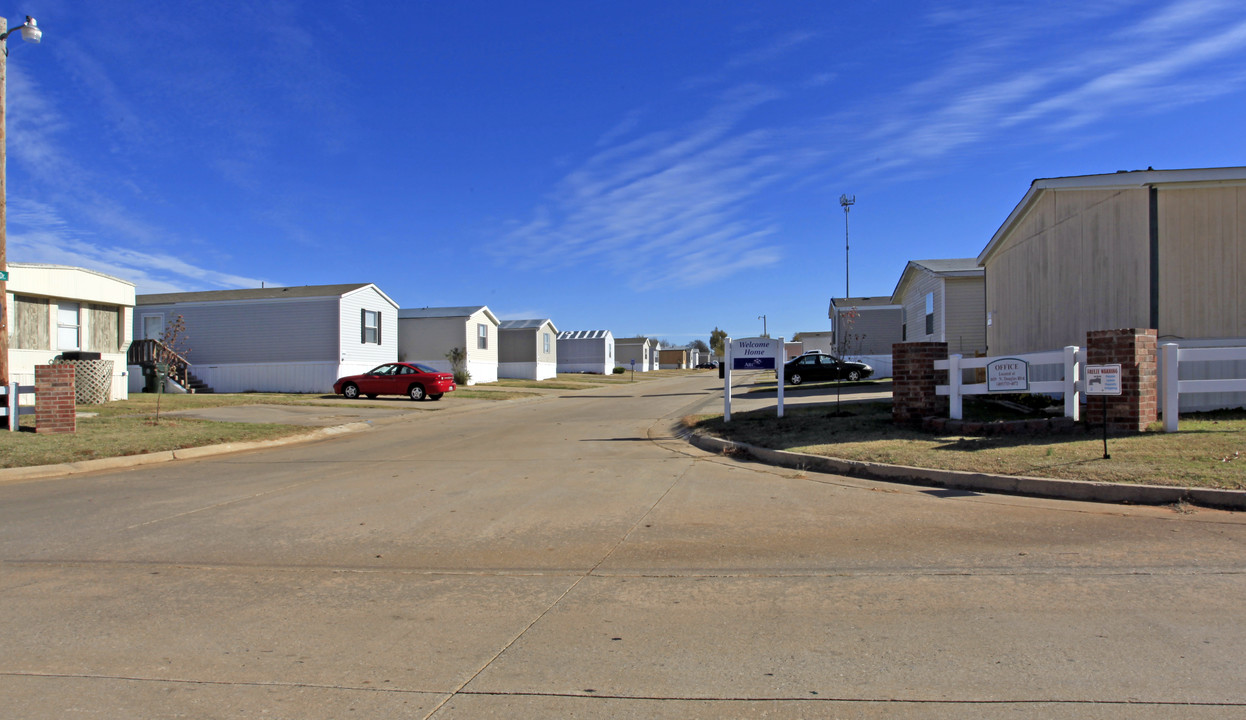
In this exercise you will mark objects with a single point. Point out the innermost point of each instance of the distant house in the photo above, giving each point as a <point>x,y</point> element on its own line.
<point>943,301</point>
<point>586,351</point>
<point>637,352</point>
<point>426,335</point>
<point>1161,249</point>
<point>823,340</point>
<point>278,339</point>
<point>673,358</point>
<point>865,328</point>
<point>527,349</point>
<point>57,309</point>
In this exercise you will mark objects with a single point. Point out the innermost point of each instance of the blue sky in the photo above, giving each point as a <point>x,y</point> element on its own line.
<point>644,167</point>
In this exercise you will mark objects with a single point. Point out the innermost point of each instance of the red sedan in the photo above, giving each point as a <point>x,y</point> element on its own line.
<point>403,378</point>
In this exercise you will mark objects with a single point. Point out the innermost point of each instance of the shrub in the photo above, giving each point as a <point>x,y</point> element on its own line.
<point>619,371</point>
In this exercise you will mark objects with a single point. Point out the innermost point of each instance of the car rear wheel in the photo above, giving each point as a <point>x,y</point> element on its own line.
<point>435,396</point>
<point>350,391</point>
<point>854,375</point>
<point>417,392</point>
<point>796,379</point>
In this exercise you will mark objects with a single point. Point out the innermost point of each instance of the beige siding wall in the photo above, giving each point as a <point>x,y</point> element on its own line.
<point>915,308</point>
<point>474,353</point>
<point>551,356</point>
<point>964,315</point>
<point>1202,262</point>
<point>1077,261</point>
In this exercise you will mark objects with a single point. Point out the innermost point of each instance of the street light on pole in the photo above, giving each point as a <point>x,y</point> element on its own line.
<point>31,34</point>
<point>764,331</point>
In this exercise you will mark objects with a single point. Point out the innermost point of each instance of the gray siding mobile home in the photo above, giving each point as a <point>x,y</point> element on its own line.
<point>294,339</point>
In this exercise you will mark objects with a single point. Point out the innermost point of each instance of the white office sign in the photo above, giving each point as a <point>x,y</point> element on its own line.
<point>1103,379</point>
<point>1008,375</point>
<point>756,353</point>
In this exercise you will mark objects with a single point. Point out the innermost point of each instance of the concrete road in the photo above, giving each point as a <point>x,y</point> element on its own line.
<point>569,557</point>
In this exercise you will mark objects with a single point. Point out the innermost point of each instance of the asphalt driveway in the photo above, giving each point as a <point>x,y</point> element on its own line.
<point>572,557</point>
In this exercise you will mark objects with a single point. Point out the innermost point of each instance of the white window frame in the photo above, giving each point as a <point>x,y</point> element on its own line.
<point>482,336</point>
<point>547,342</point>
<point>371,333</point>
<point>63,327</point>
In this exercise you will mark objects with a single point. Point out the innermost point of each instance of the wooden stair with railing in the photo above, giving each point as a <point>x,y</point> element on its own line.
<point>146,353</point>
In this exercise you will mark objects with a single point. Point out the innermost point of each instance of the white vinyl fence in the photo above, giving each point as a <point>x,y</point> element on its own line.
<point>1070,360</point>
<point>9,406</point>
<point>1171,358</point>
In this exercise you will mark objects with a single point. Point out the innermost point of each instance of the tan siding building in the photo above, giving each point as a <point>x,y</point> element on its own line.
<point>1164,249</point>
<point>943,301</point>
<point>426,335</point>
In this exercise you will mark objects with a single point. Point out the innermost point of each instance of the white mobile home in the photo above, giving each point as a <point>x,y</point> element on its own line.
<point>527,349</point>
<point>57,309</point>
<point>283,339</point>
<point>586,351</point>
<point>427,335</point>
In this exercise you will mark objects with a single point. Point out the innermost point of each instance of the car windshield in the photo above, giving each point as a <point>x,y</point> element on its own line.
<point>424,368</point>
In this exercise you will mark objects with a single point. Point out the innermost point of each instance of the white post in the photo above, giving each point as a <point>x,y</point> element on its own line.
<point>955,409</point>
<point>1072,376</point>
<point>727,380</point>
<point>10,401</point>
<point>779,356</point>
<point>1170,394</point>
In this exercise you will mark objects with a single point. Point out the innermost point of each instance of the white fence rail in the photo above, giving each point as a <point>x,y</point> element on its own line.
<point>1172,355</point>
<point>9,406</point>
<point>1071,358</point>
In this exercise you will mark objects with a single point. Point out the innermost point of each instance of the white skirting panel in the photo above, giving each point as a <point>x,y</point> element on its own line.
<point>602,368</point>
<point>880,363</point>
<point>288,377</point>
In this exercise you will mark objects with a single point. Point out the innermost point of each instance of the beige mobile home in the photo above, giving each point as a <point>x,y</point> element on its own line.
<point>57,309</point>
<point>636,353</point>
<point>426,335</point>
<point>1161,249</point>
<point>527,349</point>
<point>943,301</point>
<point>673,358</point>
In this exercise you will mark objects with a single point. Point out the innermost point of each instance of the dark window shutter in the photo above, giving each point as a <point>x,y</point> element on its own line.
<point>363,326</point>
<point>378,327</point>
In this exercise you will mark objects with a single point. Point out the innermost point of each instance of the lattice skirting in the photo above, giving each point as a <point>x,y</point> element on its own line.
<point>92,380</point>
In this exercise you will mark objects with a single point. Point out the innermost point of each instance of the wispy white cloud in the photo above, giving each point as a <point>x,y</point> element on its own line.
<point>664,207</point>
<point>1015,83</point>
<point>38,233</point>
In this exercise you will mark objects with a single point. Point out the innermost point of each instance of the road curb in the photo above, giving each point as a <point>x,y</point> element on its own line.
<point>980,482</point>
<point>37,472</point>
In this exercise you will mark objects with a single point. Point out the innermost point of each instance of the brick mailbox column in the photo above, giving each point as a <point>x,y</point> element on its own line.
<point>54,399</point>
<point>914,379</point>
<point>1134,350</point>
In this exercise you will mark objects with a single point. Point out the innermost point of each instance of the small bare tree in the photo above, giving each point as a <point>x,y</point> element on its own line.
<point>458,365</point>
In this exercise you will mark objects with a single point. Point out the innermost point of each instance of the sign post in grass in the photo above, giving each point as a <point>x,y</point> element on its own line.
<point>1103,380</point>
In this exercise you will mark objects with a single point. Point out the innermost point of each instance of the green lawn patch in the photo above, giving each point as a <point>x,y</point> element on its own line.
<point>1209,451</point>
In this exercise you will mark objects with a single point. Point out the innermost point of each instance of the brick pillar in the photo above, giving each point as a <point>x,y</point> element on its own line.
<point>1137,405</point>
<point>914,379</point>
<point>54,399</point>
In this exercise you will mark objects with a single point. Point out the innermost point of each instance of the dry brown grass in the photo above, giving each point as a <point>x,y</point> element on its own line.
<point>1210,450</point>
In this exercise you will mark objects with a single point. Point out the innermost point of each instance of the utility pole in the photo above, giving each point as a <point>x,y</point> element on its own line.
<point>31,34</point>
<point>764,331</point>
